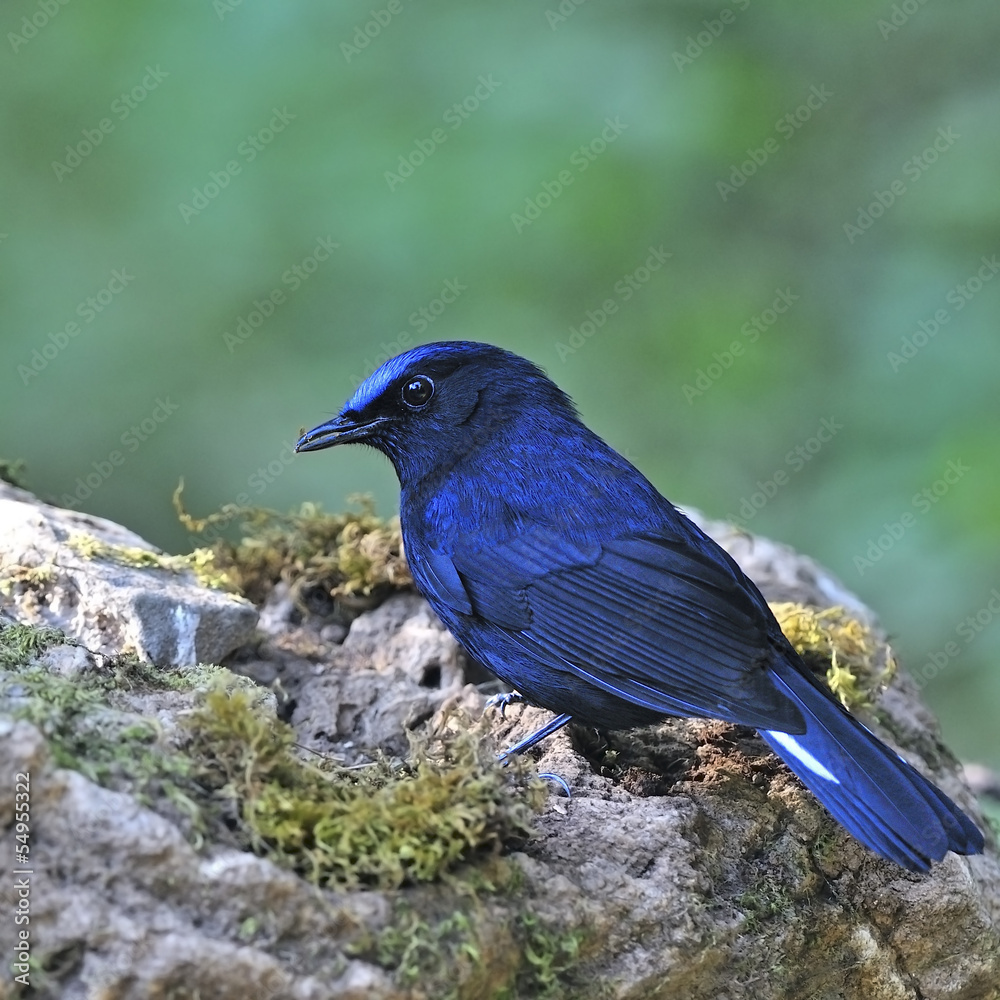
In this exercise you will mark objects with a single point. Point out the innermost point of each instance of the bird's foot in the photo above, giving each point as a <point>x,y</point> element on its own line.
<point>503,700</point>
<point>559,780</point>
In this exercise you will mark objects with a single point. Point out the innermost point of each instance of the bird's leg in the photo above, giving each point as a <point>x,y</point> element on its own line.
<point>529,741</point>
<point>503,700</point>
<point>512,697</point>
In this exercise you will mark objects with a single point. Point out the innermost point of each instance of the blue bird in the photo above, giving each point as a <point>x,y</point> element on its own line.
<point>555,563</point>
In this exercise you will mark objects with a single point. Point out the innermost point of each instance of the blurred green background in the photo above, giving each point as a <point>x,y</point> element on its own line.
<point>201,150</point>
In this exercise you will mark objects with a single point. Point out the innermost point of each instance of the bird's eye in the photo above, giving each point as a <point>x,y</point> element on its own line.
<point>417,392</point>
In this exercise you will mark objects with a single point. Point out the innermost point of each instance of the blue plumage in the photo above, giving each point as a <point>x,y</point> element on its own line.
<point>558,565</point>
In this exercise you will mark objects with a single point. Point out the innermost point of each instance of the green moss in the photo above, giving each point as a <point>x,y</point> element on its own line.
<point>824,844</point>
<point>549,955</point>
<point>12,472</point>
<point>57,706</point>
<point>765,899</point>
<point>128,672</point>
<point>248,929</point>
<point>451,957</point>
<point>111,748</point>
<point>235,775</point>
<point>347,560</point>
<point>232,775</point>
<point>87,733</point>
<point>846,652</point>
<point>380,826</point>
<point>440,954</point>
<point>20,644</point>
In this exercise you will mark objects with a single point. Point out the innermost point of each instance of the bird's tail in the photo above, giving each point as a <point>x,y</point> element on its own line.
<point>880,799</point>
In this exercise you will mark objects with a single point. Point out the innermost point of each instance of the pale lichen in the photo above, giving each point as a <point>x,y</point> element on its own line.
<point>201,562</point>
<point>18,580</point>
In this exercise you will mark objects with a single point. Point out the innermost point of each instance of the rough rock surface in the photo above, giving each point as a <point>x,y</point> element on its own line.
<point>696,867</point>
<point>109,605</point>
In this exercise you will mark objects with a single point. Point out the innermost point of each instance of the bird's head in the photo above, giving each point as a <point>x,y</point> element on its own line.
<point>427,407</point>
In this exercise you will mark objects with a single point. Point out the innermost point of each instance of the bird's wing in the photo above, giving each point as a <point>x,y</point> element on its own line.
<point>660,620</point>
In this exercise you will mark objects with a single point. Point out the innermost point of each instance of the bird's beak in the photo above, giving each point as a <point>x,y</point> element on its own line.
<point>340,430</point>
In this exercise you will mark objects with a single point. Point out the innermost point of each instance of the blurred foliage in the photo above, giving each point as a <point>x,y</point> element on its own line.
<point>12,472</point>
<point>224,206</point>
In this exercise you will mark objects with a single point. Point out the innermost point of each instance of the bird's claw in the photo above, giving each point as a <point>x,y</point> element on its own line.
<point>560,781</point>
<point>503,699</point>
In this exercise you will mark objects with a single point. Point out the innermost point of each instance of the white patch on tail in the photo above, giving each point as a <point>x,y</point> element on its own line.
<point>791,744</point>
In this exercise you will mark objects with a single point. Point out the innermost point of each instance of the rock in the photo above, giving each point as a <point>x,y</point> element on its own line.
<point>162,614</point>
<point>396,666</point>
<point>386,685</point>
<point>123,906</point>
<point>688,863</point>
<point>779,571</point>
<point>982,781</point>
